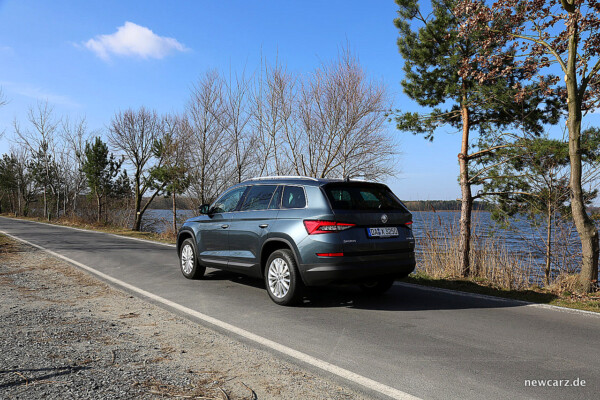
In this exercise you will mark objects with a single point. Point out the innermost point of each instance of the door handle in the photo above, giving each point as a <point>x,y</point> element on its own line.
<point>263,225</point>
<point>224,226</point>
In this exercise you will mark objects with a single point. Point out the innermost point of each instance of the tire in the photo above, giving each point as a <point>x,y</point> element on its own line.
<point>188,262</point>
<point>281,270</point>
<point>378,285</point>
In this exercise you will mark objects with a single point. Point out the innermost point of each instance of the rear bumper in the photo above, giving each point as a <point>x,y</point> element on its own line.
<point>356,269</point>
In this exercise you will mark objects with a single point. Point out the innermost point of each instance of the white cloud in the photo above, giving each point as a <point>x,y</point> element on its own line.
<point>133,40</point>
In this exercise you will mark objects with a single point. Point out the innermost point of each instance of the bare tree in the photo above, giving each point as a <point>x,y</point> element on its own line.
<point>205,116</point>
<point>273,112</point>
<point>235,118</point>
<point>39,140</point>
<point>331,124</point>
<point>133,133</point>
<point>75,134</point>
<point>342,115</point>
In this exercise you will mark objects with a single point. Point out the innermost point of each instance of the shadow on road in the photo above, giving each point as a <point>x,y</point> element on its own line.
<point>398,298</point>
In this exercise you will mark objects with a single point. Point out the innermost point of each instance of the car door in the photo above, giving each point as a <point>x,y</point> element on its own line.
<point>213,244</point>
<point>250,227</point>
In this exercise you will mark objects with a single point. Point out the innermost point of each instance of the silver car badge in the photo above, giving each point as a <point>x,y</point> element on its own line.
<point>384,218</point>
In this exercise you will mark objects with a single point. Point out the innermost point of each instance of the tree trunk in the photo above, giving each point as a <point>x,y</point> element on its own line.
<point>18,201</point>
<point>46,215</point>
<point>467,198</point>
<point>137,222</point>
<point>174,213</point>
<point>548,242</point>
<point>588,233</point>
<point>74,209</point>
<point>141,210</point>
<point>98,219</point>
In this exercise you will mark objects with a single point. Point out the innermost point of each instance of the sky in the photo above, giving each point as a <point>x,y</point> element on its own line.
<point>93,58</point>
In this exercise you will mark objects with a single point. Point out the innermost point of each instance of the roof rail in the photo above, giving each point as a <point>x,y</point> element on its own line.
<point>284,177</point>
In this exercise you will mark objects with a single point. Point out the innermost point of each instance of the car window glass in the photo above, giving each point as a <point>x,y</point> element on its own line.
<point>228,202</point>
<point>293,197</point>
<point>340,199</point>
<point>258,197</point>
<point>362,197</point>
<point>276,199</point>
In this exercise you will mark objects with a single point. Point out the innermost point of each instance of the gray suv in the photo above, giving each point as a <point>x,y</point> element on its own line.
<point>295,232</point>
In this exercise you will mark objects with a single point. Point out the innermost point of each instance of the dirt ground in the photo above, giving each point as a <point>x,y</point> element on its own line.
<point>67,335</point>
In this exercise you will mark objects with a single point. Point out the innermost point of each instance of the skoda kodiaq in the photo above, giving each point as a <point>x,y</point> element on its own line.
<point>295,232</point>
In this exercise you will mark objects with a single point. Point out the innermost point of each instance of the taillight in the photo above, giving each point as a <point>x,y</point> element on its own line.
<point>314,227</point>
<point>408,224</point>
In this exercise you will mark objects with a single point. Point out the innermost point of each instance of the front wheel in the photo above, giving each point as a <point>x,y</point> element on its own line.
<point>378,285</point>
<point>190,267</point>
<point>282,278</point>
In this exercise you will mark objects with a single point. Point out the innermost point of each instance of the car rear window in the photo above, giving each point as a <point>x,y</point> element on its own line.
<point>364,197</point>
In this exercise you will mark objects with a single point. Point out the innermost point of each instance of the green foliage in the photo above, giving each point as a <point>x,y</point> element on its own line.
<point>43,167</point>
<point>8,173</point>
<point>530,176</point>
<point>101,171</point>
<point>172,175</point>
<point>16,183</point>
<point>435,53</point>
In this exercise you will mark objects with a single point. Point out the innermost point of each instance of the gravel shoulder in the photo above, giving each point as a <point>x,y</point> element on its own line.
<point>66,334</point>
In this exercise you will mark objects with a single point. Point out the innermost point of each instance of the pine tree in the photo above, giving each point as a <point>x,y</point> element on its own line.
<point>100,171</point>
<point>434,54</point>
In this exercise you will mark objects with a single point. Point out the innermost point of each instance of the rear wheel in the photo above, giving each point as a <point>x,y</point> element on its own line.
<point>188,262</point>
<point>282,278</point>
<point>378,285</point>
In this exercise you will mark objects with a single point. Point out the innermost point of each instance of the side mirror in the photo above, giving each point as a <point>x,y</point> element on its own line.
<point>204,208</point>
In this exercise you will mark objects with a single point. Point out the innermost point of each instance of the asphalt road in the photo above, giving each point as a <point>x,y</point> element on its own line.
<point>430,344</point>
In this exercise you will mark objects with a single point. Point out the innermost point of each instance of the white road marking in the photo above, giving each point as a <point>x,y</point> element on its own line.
<point>315,362</point>
<point>494,298</point>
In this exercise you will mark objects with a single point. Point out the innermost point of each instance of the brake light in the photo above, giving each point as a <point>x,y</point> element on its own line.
<point>314,227</point>
<point>330,254</point>
<point>408,224</point>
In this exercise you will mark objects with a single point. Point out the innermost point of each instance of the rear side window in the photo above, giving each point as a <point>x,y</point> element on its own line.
<point>293,197</point>
<point>258,197</point>
<point>362,197</point>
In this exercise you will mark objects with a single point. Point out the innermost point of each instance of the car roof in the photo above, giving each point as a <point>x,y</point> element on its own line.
<point>304,180</point>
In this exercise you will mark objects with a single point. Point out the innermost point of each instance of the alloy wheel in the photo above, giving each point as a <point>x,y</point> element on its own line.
<point>279,277</point>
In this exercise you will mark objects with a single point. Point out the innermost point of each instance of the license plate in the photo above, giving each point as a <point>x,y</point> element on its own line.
<point>382,232</point>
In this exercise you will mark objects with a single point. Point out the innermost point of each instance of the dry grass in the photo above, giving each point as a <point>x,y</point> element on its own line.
<point>491,260</point>
<point>496,270</point>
